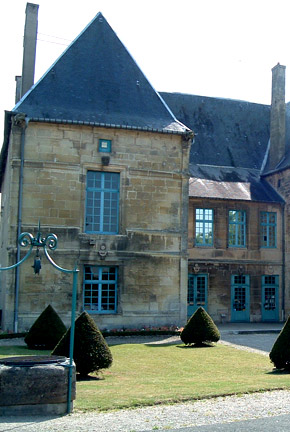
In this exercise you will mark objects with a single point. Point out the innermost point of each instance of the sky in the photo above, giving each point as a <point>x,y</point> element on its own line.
<point>218,48</point>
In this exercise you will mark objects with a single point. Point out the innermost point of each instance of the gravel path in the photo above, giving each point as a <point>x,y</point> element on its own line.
<point>220,410</point>
<point>162,417</point>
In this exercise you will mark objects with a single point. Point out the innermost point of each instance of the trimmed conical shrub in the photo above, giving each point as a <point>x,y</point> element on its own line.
<point>91,351</point>
<point>200,329</point>
<point>46,331</point>
<point>280,352</point>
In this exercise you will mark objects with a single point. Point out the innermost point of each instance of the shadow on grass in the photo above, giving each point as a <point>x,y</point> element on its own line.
<point>278,372</point>
<point>88,378</point>
<point>202,345</point>
<point>180,345</point>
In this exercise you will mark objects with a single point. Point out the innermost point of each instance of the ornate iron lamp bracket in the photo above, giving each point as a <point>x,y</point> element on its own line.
<point>50,243</point>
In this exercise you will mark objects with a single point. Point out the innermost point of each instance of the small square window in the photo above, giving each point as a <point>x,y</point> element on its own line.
<point>105,145</point>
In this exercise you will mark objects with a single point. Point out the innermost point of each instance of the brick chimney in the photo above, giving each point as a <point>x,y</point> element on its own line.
<point>29,47</point>
<point>278,117</point>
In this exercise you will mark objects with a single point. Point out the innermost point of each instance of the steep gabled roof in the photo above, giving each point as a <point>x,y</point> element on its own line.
<point>228,132</point>
<point>97,81</point>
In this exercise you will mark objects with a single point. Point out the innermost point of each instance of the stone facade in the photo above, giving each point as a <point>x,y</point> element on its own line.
<point>281,182</point>
<point>221,262</point>
<point>150,249</point>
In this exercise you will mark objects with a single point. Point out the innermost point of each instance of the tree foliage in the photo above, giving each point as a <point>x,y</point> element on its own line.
<point>280,352</point>
<point>46,331</point>
<point>91,351</point>
<point>200,329</point>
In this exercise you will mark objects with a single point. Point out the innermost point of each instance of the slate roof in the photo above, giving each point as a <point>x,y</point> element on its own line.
<point>227,132</point>
<point>230,146</point>
<point>231,184</point>
<point>97,81</point>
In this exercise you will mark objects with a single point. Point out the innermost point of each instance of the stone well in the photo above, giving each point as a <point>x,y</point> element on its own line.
<point>35,385</point>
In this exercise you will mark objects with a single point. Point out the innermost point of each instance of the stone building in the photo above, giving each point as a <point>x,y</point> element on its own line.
<point>95,154</point>
<point>239,227</point>
<point>157,223</point>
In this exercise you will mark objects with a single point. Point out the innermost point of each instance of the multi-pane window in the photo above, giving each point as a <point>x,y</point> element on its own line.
<point>239,292</point>
<point>100,289</point>
<point>197,286</point>
<point>268,225</point>
<point>102,202</point>
<point>237,228</point>
<point>203,227</point>
<point>270,285</point>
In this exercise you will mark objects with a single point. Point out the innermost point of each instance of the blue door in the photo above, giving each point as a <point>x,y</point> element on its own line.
<point>197,293</point>
<point>240,298</point>
<point>270,298</point>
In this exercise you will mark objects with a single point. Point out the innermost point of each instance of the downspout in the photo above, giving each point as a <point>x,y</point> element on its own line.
<point>23,123</point>
<point>186,142</point>
<point>283,262</point>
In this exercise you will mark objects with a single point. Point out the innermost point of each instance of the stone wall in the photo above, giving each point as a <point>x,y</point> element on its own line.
<point>220,261</point>
<point>281,182</point>
<point>150,248</point>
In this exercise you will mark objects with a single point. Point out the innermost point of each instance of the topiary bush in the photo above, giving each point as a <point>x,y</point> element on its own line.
<point>280,352</point>
<point>46,331</point>
<point>200,329</point>
<point>91,351</point>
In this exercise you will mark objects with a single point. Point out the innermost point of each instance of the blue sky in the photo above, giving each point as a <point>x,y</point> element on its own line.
<point>220,48</point>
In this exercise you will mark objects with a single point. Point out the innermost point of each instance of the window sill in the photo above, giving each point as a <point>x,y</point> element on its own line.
<point>91,312</point>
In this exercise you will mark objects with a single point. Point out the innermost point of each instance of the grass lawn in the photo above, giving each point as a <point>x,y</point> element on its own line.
<point>146,375</point>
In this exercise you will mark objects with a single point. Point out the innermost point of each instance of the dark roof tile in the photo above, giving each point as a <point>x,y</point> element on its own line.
<point>96,80</point>
<point>225,183</point>
<point>227,132</point>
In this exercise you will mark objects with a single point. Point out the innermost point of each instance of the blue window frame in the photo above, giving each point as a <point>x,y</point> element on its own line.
<point>203,227</point>
<point>240,298</point>
<point>102,202</point>
<point>100,289</point>
<point>197,292</point>
<point>237,228</point>
<point>270,298</point>
<point>268,229</point>
<point>105,145</point>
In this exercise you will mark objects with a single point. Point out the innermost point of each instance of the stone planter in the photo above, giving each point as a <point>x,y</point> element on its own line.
<point>35,385</point>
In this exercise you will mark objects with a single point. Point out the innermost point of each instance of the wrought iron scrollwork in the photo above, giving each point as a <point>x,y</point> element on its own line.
<point>25,239</point>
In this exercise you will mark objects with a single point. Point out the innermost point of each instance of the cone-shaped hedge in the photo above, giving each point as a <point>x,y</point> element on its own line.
<point>46,331</point>
<point>91,351</point>
<point>280,352</point>
<point>200,329</point>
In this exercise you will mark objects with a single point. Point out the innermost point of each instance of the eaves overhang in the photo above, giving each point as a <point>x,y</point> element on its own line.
<point>281,202</point>
<point>171,130</point>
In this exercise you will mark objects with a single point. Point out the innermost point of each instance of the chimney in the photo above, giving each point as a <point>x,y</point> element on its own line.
<point>29,47</point>
<point>18,80</point>
<point>278,117</point>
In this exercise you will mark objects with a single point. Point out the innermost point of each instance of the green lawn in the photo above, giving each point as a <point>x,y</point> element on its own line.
<point>145,375</point>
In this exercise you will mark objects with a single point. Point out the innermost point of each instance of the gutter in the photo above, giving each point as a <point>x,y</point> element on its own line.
<point>186,132</point>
